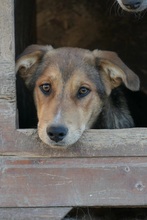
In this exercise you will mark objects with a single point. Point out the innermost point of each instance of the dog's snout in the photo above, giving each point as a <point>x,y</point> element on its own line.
<point>131,4</point>
<point>57,133</point>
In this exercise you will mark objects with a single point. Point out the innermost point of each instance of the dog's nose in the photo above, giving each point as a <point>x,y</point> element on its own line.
<point>57,133</point>
<point>132,4</point>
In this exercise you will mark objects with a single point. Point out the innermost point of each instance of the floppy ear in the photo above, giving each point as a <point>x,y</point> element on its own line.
<point>117,72</point>
<point>28,61</point>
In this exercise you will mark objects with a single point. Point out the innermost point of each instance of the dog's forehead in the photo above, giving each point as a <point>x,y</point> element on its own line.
<point>68,60</point>
<point>75,64</point>
<point>68,52</point>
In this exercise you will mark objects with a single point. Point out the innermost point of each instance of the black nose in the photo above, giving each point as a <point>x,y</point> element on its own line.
<point>132,4</point>
<point>57,133</point>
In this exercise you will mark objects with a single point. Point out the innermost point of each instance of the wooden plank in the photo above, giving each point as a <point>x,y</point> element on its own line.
<point>38,182</point>
<point>7,30</point>
<point>7,65</point>
<point>94,143</point>
<point>33,213</point>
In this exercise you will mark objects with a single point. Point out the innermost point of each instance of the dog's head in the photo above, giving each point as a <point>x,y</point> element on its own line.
<point>70,86</point>
<point>133,5</point>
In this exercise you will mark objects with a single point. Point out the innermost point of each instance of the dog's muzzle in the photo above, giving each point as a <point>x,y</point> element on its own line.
<point>57,133</point>
<point>131,4</point>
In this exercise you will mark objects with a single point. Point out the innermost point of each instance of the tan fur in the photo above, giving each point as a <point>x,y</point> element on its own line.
<point>73,113</point>
<point>61,106</point>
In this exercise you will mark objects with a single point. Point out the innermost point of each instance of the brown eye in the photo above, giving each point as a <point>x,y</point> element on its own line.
<point>45,88</point>
<point>83,91</point>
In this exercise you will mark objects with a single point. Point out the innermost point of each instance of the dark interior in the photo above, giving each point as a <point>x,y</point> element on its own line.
<point>86,24</point>
<point>96,213</point>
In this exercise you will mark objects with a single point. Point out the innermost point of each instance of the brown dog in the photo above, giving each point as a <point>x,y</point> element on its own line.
<point>76,89</point>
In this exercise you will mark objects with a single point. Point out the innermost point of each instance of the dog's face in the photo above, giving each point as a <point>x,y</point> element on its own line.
<point>133,5</point>
<point>70,88</point>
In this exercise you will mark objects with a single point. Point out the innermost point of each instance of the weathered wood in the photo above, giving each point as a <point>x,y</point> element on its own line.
<point>7,30</point>
<point>94,143</point>
<point>33,213</point>
<point>39,182</point>
<point>7,65</point>
<point>36,182</point>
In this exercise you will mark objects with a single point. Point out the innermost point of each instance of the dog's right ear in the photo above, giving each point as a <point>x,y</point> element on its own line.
<point>28,61</point>
<point>116,71</point>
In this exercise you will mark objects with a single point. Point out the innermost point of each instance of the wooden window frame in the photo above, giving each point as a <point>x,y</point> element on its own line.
<point>105,168</point>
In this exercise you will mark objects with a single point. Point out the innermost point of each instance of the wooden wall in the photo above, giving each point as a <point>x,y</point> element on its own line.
<point>106,168</point>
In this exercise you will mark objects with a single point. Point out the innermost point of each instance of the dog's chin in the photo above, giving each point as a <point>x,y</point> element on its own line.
<point>59,145</point>
<point>133,10</point>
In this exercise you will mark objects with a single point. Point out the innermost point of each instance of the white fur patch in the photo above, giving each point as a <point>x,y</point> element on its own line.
<point>57,118</point>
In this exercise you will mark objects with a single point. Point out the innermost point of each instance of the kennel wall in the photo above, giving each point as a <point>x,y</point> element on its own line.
<point>106,167</point>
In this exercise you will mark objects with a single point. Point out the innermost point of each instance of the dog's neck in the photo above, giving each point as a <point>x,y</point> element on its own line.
<point>115,112</point>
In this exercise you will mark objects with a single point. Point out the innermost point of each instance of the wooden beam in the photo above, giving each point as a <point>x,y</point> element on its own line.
<point>40,182</point>
<point>94,143</point>
<point>33,213</point>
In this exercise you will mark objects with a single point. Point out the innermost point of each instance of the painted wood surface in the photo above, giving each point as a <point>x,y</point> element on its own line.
<point>94,143</point>
<point>40,182</point>
<point>33,213</point>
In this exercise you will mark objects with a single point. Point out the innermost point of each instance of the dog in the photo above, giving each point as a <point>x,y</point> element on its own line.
<point>76,89</point>
<point>133,5</point>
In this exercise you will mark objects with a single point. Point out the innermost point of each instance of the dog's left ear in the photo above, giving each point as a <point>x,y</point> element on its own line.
<point>29,60</point>
<point>116,70</point>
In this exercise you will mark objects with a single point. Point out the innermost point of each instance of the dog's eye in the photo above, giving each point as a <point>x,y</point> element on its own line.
<point>45,88</point>
<point>83,91</point>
